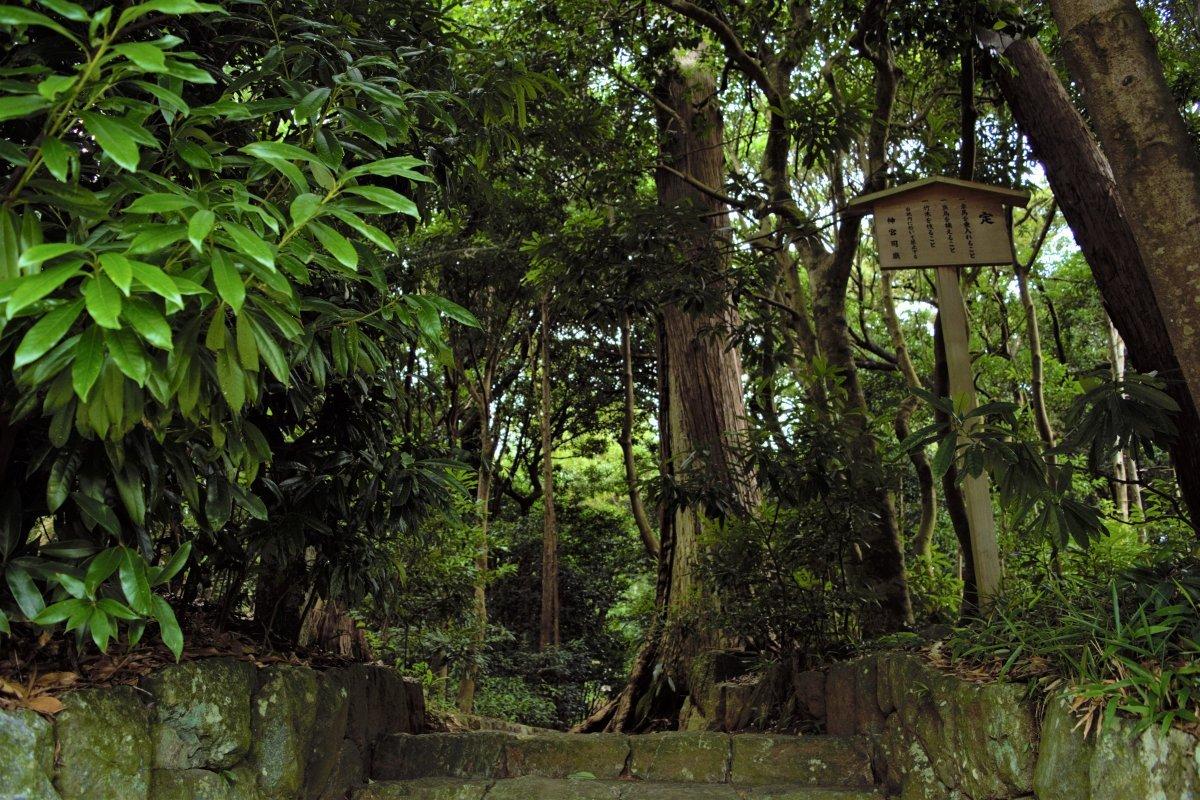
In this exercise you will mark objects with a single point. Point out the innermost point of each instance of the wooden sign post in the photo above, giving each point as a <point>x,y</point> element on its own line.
<point>947,224</point>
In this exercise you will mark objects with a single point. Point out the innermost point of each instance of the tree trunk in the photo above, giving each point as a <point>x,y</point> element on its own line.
<point>548,633</point>
<point>701,414</point>
<point>640,517</point>
<point>483,497</point>
<point>1111,53</point>
<point>1036,363</point>
<point>923,540</point>
<point>1086,192</point>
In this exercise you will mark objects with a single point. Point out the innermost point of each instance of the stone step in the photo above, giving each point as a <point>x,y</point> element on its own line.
<point>536,788</point>
<point>676,757</point>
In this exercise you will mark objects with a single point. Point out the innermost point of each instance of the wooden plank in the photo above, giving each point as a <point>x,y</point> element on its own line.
<point>1009,197</point>
<point>976,490</point>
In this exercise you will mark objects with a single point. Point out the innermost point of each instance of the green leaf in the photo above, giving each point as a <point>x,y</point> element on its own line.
<point>46,333</point>
<point>146,320</point>
<point>126,351</point>
<point>250,243</point>
<point>101,568</point>
<point>311,104</point>
<point>115,608</point>
<point>21,105</point>
<point>103,301</point>
<point>134,583</point>
<point>56,613</point>
<point>387,198</point>
<point>97,513</point>
<point>278,150</point>
<point>57,157</point>
<point>28,598</point>
<point>228,281</point>
<point>367,231</point>
<point>40,253</point>
<point>34,287</point>
<point>54,85</point>
<point>337,245</point>
<point>232,380</point>
<point>66,9</point>
<point>119,270</point>
<point>89,358</point>
<point>101,628</point>
<point>272,354</point>
<point>132,492</point>
<point>247,347</point>
<point>62,475</point>
<point>158,202</point>
<point>113,139</point>
<point>169,570</point>
<point>4,625</point>
<point>398,166</point>
<point>944,457</point>
<point>14,15</point>
<point>168,626</point>
<point>199,226</point>
<point>304,208</point>
<point>145,55</point>
<point>157,281</point>
<point>173,7</point>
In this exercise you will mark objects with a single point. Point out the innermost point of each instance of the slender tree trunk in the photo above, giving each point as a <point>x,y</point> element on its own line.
<point>956,504</point>
<point>923,540</point>
<point>640,517</point>
<point>1086,192</point>
<point>548,634</point>
<point>483,498</point>
<point>1112,54</point>
<point>1033,334</point>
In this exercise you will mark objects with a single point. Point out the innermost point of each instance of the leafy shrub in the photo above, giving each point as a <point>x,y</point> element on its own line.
<point>192,265</point>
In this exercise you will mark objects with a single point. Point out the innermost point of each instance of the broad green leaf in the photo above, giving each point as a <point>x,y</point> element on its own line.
<point>4,624</point>
<point>15,15</point>
<point>272,354</point>
<point>62,476</point>
<point>232,380</point>
<point>35,287</point>
<point>387,198</point>
<point>103,301</point>
<point>158,202</point>
<point>119,270</point>
<point>46,333</point>
<point>278,150</point>
<point>57,157</point>
<point>173,7</point>
<point>126,351</point>
<point>115,608</point>
<point>199,226</point>
<point>134,582</point>
<point>41,253</point>
<point>247,347</point>
<point>168,101</point>
<point>145,55</point>
<point>168,626</point>
<point>102,567</point>
<point>304,208</point>
<point>157,281</point>
<point>148,322</point>
<point>399,166</point>
<point>176,563</point>
<point>337,245</point>
<point>369,232</point>
<point>66,9</point>
<point>113,139</point>
<point>54,85</point>
<point>101,628</point>
<point>249,243</point>
<point>228,281</point>
<point>20,583</point>
<point>57,612</point>
<point>132,492</point>
<point>89,358</point>
<point>311,104</point>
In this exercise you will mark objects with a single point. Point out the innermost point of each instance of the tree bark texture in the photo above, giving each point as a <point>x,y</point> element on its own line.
<point>1084,186</point>
<point>548,633</point>
<point>640,517</point>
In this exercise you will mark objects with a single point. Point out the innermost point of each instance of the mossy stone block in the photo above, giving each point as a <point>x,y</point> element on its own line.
<point>686,757</point>
<point>403,756</point>
<point>26,756</point>
<point>425,789</point>
<point>105,750</point>
<point>800,760</point>
<point>601,755</point>
<point>202,713</point>
<point>282,723</point>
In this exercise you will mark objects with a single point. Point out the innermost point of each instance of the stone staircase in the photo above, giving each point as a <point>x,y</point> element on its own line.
<point>489,765</point>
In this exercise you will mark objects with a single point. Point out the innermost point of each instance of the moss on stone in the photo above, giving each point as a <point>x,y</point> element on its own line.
<point>282,723</point>
<point>691,757</point>
<point>26,757</point>
<point>105,751</point>
<point>560,756</point>
<point>202,713</point>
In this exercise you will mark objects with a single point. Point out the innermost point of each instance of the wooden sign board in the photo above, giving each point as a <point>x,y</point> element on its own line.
<point>941,222</point>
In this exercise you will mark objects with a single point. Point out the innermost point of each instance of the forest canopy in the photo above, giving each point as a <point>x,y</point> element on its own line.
<point>539,349</point>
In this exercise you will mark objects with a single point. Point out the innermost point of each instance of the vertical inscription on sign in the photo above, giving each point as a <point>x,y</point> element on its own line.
<point>939,226</point>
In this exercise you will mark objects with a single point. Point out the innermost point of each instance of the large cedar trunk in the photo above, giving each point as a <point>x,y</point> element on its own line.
<point>1086,191</point>
<point>701,414</point>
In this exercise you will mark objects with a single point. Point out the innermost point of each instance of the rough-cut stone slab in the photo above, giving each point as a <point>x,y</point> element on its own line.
<point>202,713</point>
<point>104,745</point>
<point>284,713</point>
<point>601,755</point>
<point>677,791</point>
<point>403,756</point>
<point>829,761</point>
<point>188,784</point>
<point>808,793</point>
<point>26,756</point>
<point>425,789</point>
<point>686,757</point>
<point>532,788</point>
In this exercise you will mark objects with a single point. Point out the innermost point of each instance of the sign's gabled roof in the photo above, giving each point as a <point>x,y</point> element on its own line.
<point>1009,197</point>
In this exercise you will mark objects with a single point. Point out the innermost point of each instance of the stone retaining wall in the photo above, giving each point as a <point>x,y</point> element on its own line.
<point>215,729</point>
<point>937,737</point>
